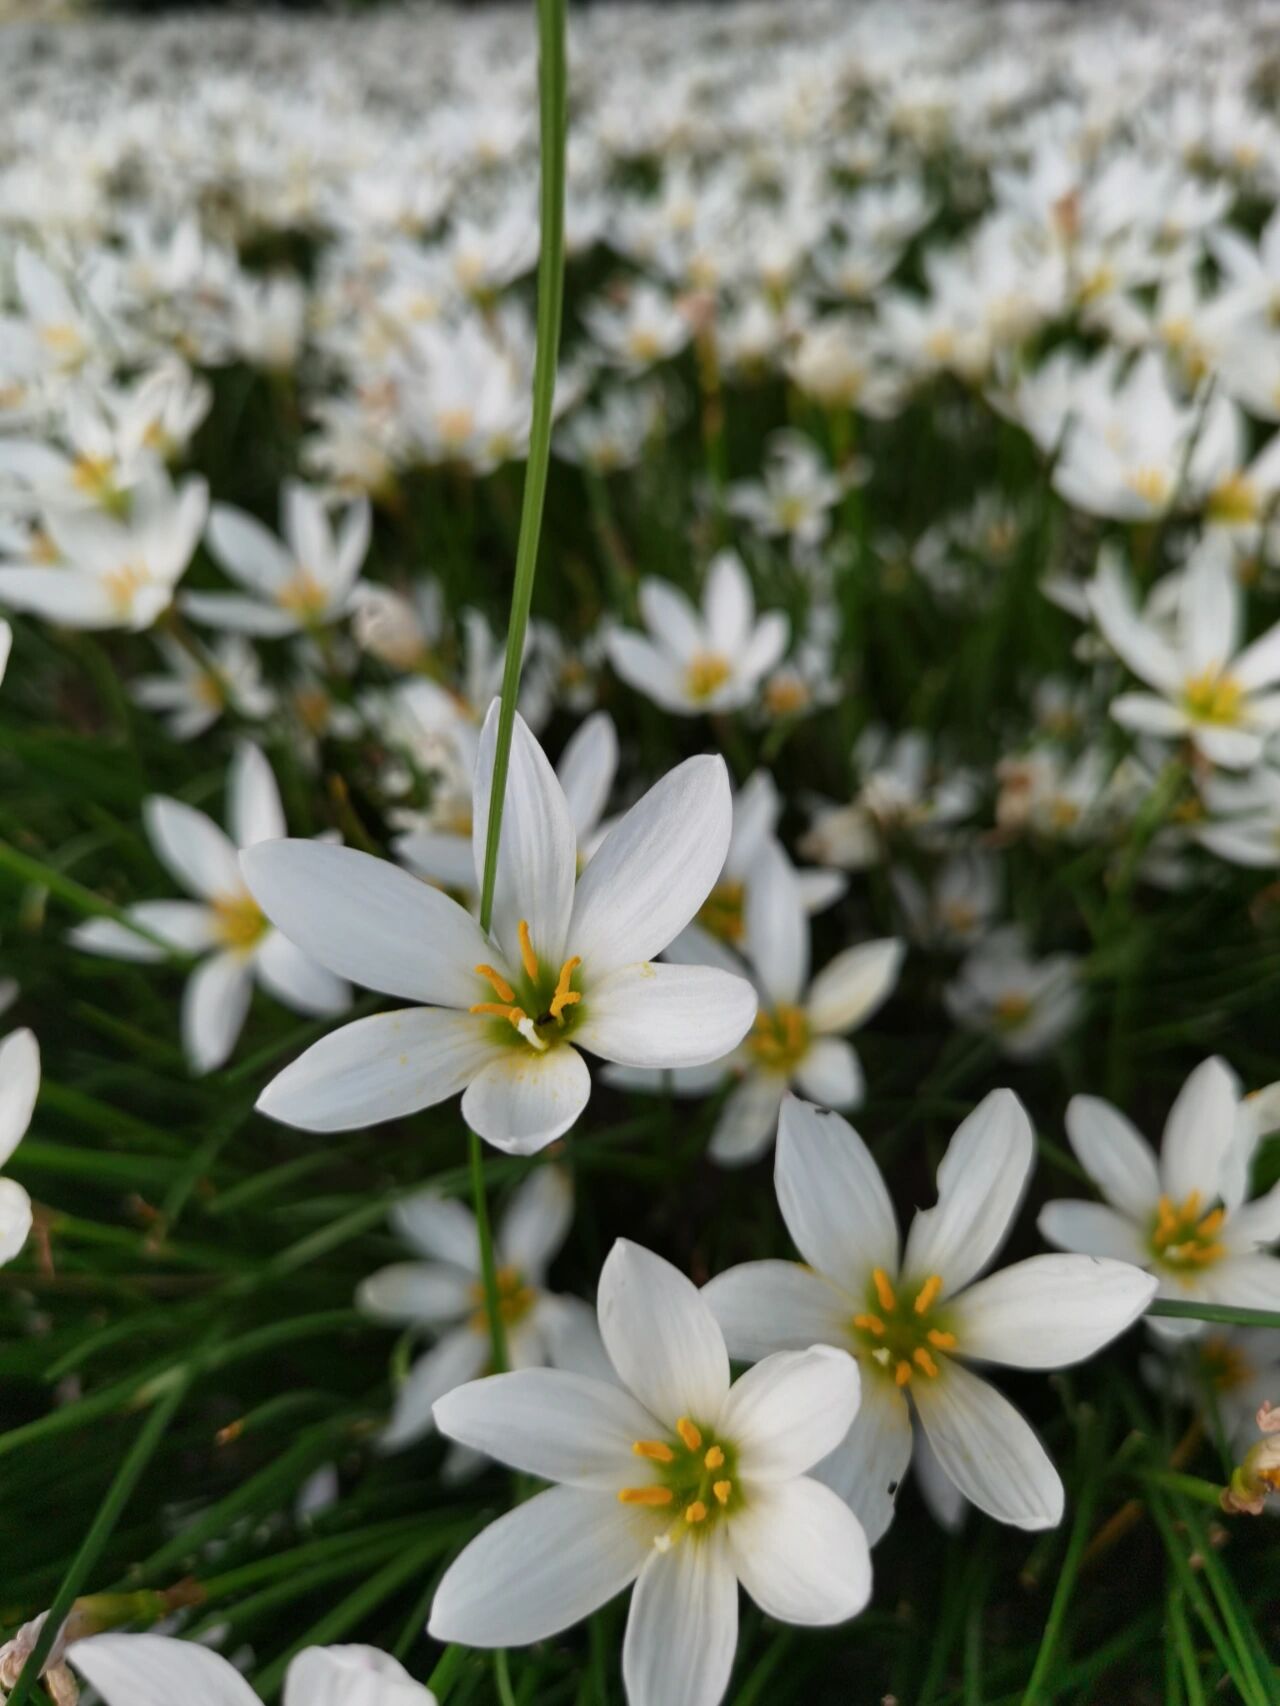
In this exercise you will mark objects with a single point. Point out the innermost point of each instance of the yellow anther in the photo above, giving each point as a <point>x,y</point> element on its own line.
<point>928,1294</point>
<point>696,1512</point>
<point>564,996</point>
<point>527,954</point>
<point>689,1434</point>
<point>869,1324</point>
<point>645,1496</point>
<point>902,1374</point>
<point>1211,1222</point>
<point>941,1341</point>
<point>657,1450</point>
<point>714,1458</point>
<point>884,1291</point>
<point>514,1015</point>
<point>924,1361</point>
<point>722,1490</point>
<point>501,988</point>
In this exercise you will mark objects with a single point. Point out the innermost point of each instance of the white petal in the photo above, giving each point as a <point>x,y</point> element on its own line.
<point>522,1100</point>
<point>790,1411</point>
<point>240,615</point>
<point>586,770</point>
<point>538,850</point>
<point>541,1567</point>
<point>1245,1282</point>
<point>671,618</point>
<point>1115,1155</point>
<point>214,1004</point>
<point>1049,1311</point>
<point>19,1087</point>
<point>661,1337</point>
<point>417,1294</point>
<point>296,979</point>
<point>777,926</point>
<point>537,1222</point>
<point>833,1197</point>
<point>254,811</point>
<point>682,1632</point>
<point>867,1468</point>
<point>381,1068</point>
<point>637,661</point>
<point>440,1228</point>
<point>67,597</point>
<point>1258,665</point>
<point>988,1449</point>
<point>831,1074</point>
<point>1199,1132</point>
<point>748,1122</point>
<point>666,1016</point>
<point>850,988</point>
<point>944,1500</point>
<point>770,1306</point>
<point>247,551</point>
<point>801,1553</point>
<point>198,855</point>
<point>155,1670</point>
<point>1092,1229</point>
<point>366,919</point>
<point>351,1676</point>
<point>558,1426</point>
<point>980,1184</point>
<point>459,1357</point>
<point>728,604</point>
<point>15,1218</point>
<point>654,869</point>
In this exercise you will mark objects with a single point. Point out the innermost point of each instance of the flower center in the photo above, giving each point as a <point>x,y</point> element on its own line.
<point>1234,500</point>
<point>239,921</point>
<point>1012,1010</point>
<point>784,695</point>
<point>455,426</point>
<point>1184,1238</point>
<point>1150,484</point>
<point>704,672</point>
<point>123,583</point>
<point>693,1476</point>
<point>537,1008</point>
<point>515,1299</point>
<point>1225,1366</point>
<point>644,344</point>
<point>721,912</point>
<point>91,474</point>
<point>778,1041</point>
<point>302,594</point>
<point>901,1334</point>
<point>1213,698</point>
<point>791,511</point>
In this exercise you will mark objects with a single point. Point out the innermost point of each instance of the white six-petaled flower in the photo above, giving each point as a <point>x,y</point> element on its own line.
<point>567,964</point>
<point>673,1479</point>
<point>916,1315</point>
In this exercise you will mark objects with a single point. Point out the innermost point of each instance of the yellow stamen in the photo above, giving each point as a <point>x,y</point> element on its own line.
<point>238,920</point>
<point>924,1361</point>
<point>655,1449</point>
<point>928,1293</point>
<point>689,1434</point>
<point>722,1489</point>
<point>526,951</point>
<point>902,1374</point>
<point>704,673</point>
<point>501,988</point>
<point>884,1291</point>
<point>696,1512</point>
<point>714,1458</point>
<point>941,1341</point>
<point>869,1324</point>
<point>564,996</point>
<point>645,1496</point>
<point>516,1015</point>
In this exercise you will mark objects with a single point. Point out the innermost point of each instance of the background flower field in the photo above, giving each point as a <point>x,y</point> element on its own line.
<point>907,414</point>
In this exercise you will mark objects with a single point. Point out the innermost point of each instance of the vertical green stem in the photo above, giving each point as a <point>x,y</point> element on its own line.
<point>552,106</point>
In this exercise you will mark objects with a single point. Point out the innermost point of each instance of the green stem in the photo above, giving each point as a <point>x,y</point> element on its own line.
<point>1229,1314</point>
<point>82,899</point>
<point>109,1513</point>
<point>552,80</point>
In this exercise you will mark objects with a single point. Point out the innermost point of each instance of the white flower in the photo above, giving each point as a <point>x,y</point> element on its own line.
<point>305,582</point>
<point>1182,1215</point>
<point>224,922</point>
<point>914,1316</point>
<point>157,1670</point>
<point>444,1293</point>
<point>800,1035</point>
<point>199,689</point>
<point>19,1086</point>
<point>1026,1005</point>
<point>565,965</point>
<point>795,494</point>
<point>672,1479</point>
<point>694,660</point>
<point>112,571</point>
<point>1206,687</point>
